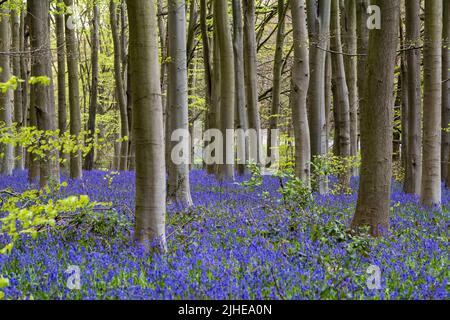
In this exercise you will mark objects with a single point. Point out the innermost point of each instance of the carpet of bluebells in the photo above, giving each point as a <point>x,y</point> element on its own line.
<point>235,243</point>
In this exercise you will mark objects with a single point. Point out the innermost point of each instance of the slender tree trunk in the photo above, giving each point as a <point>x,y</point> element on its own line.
<point>6,106</point>
<point>318,27</point>
<point>177,95</point>
<point>432,69</point>
<point>120,89</point>
<point>413,174</point>
<point>74,93</point>
<point>277,77</point>
<point>241,121</point>
<point>147,124</point>
<point>251,84</point>
<point>340,92</point>
<point>349,45</point>
<point>299,90</point>
<point>374,196</point>
<point>446,91</point>
<point>227,87</point>
<point>95,44</point>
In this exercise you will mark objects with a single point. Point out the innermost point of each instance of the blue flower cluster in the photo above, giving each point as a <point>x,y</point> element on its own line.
<point>236,244</point>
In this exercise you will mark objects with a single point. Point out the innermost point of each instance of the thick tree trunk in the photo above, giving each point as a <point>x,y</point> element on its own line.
<point>318,27</point>
<point>241,121</point>
<point>74,93</point>
<point>299,90</point>
<point>340,92</point>
<point>6,105</point>
<point>376,124</point>
<point>120,89</point>
<point>147,124</point>
<point>89,161</point>
<point>432,69</point>
<point>251,85</point>
<point>413,173</point>
<point>177,95</point>
<point>227,87</point>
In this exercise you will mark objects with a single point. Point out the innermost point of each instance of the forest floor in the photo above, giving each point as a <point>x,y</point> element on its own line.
<point>237,242</point>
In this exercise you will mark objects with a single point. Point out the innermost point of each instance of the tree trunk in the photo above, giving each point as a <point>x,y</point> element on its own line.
<point>432,69</point>
<point>251,84</point>
<point>227,87</point>
<point>120,89</point>
<point>147,124</point>
<point>413,174</point>
<point>340,92</point>
<point>6,105</point>
<point>74,93</point>
<point>374,201</point>
<point>177,95</point>
<point>299,90</point>
<point>89,161</point>
<point>241,121</point>
<point>318,27</point>
<point>446,91</point>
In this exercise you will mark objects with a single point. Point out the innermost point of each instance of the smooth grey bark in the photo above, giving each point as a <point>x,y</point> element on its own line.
<point>95,44</point>
<point>299,90</point>
<point>340,92</point>
<point>374,198</point>
<point>241,121</point>
<point>446,91</point>
<point>177,97</point>
<point>277,77</point>
<point>6,99</point>
<point>349,45</point>
<point>147,124</point>
<point>318,15</point>
<point>432,122</point>
<point>413,174</point>
<point>18,104</point>
<point>74,92</point>
<point>227,87</point>
<point>120,89</point>
<point>251,84</point>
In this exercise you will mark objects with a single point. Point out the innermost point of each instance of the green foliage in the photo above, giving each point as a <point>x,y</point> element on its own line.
<point>12,83</point>
<point>256,179</point>
<point>295,192</point>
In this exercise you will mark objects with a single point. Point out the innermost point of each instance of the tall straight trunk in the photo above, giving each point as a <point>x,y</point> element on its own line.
<point>120,89</point>
<point>277,77</point>
<point>251,84</point>
<point>446,91</point>
<point>349,45</point>
<point>61,79</point>
<point>227,86</point>
<point>413,174</point>
<point>18,107</point>
<point>340,92</point>
<point>6,105</point>
<point>432,122</point>
<point>74,93</point>
<point>374,196</point>
<point>41,100</point>
<point>95,44</point>
<point>328,100</point>
<point>318,27</point>
<point>177,95</point>
<point>362,34</point>
<point>147,124</point>
<point>299,90</point>
<point>241,121</point>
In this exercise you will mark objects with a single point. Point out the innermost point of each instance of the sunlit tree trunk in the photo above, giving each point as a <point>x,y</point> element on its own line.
<point>74,91</point>
<point>299,90</point>
<point>147,124</point>
<point>6,105</point>
<point>374,196</point>
<point>413,173</point>
<point>177,95</point>
<point>432,70</point>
